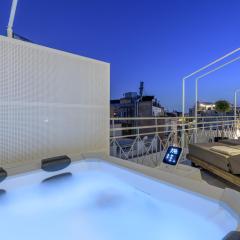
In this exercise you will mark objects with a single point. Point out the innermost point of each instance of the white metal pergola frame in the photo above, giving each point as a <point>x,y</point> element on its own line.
<point>204,75</point>
<point>11,18</point>
<point>191,75</point>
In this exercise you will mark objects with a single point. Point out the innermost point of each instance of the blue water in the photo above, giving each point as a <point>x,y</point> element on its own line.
<point>96,205</point>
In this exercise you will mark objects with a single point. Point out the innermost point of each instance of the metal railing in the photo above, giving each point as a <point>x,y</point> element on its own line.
<point>144,140</point>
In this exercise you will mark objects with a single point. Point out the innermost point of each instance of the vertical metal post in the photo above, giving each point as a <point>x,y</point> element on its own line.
<point>11,18</point>
<point>156,139</point>
<point>235,109</point>
<point>183,114</point>
<point>114,139</point>
<point>196,111</point>
<point>138,144</point>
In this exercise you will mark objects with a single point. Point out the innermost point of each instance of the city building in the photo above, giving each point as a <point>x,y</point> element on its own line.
<point>208,109</point>
<point>204,109</point>
<point>134,104</point>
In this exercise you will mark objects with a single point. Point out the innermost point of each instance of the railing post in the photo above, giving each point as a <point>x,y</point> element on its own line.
<point>196,111</point>
<point>235,111</point>
<point>183,114</point>
<point>156,139</point>
<point>114,139</point>
<point>138,144</point>
<point>238,124</point>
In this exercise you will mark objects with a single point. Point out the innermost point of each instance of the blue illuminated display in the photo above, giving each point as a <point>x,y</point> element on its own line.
<point>172,155</point>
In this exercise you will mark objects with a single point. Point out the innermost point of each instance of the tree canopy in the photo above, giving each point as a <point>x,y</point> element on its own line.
<point>222,106</point>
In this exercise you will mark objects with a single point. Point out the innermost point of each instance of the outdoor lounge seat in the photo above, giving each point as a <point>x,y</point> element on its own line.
<point>220,155</point>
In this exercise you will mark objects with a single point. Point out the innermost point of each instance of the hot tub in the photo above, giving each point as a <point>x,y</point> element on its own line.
<point>98,200</point>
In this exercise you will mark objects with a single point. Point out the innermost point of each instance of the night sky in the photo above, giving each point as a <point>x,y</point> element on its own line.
<point>155,41</point>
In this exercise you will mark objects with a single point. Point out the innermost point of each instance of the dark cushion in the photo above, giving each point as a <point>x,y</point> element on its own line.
<point>3,174</point>
<point>233,142</point>
<point>218,139</point>
<point>58,177</point>
<point>2,192</point>
<point>55,163</point>
<point>234,235</point>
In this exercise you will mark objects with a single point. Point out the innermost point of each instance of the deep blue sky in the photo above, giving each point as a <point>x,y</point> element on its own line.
<point>155,41</point>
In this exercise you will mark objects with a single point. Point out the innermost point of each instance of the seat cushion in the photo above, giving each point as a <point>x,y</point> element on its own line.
<point>227,150</point>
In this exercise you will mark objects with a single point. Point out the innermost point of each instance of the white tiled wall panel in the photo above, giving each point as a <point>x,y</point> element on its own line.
<point>51,103</point>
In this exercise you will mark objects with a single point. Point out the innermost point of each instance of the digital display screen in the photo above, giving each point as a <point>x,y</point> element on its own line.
<point>172,155</point>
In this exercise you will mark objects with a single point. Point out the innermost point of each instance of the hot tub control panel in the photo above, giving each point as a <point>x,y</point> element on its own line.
<point>172,155</point>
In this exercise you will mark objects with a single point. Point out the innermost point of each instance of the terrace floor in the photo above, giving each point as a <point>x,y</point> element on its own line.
<point>217,181</point>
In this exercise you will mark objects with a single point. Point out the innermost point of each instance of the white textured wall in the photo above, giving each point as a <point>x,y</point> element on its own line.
<point>51,103</point>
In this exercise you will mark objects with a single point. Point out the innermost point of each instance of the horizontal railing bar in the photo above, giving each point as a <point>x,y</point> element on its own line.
<point>158,132</point>
<point>168,125</point>
<point>156,118</point>
<point>143,127</point>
